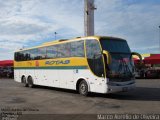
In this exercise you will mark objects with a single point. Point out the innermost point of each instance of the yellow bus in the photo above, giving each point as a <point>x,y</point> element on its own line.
<point>86,64</point>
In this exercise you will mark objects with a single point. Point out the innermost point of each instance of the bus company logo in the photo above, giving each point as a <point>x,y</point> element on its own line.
<point>57,62</point>
<point>37,63</point>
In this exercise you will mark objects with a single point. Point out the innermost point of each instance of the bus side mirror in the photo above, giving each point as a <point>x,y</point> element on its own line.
<point>108,56</point>
<point>137,54</point>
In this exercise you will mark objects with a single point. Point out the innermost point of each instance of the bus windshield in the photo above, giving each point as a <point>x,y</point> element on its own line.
<point>121,66</point>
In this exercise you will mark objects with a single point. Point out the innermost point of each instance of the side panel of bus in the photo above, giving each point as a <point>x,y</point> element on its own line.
<point>17,76</point>
<point>52,78</point>
<point>66,79</point>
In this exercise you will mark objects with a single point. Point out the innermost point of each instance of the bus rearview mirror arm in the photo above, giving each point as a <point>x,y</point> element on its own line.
<point>108,55</point>
<point>137,54</point>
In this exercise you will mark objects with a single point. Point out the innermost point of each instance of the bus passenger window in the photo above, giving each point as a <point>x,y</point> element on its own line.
<point>77,49</point>
<point>52,52</point>
<point>42,53</point>
<point>33,54</point>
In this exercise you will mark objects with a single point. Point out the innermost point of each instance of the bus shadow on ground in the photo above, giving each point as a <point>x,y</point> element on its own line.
<point>62,90</point>
<point>140,93</point>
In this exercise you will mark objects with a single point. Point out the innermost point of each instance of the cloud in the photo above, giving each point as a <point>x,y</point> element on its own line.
<point>135,21</point>
<point>31,22</point>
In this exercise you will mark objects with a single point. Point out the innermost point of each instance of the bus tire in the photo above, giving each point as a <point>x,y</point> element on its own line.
<point>24,81</point>
<point>83,88</point>
<point>30,82</point>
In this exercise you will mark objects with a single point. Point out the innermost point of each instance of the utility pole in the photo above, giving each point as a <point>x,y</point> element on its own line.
<point>89,8</point>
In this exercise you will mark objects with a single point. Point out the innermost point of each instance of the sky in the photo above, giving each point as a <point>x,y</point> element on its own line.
<point>27,23</point>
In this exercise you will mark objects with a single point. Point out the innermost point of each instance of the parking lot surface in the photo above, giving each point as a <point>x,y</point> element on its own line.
<point>145,99</point>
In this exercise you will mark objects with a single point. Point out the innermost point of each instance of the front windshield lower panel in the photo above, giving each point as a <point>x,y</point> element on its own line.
<point>122,67</point>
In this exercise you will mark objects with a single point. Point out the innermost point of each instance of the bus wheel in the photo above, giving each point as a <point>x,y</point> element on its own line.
<point>83,88</point>
<point>30,82</point>
<point>25,84</point>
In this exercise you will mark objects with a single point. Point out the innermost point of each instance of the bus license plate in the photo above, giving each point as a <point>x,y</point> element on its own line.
<point>125,89</point>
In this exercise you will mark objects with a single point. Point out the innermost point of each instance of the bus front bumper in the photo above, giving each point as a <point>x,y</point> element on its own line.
<point>122,88</point>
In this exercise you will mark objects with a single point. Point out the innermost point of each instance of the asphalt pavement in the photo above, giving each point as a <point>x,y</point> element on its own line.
<point>47,103</point>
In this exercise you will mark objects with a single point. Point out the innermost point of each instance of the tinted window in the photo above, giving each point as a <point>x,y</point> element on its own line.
<point>52,51</point>
<point>72,49</point>
<point>77,49</point>
<point>42,53</point>
<point>68,50</point>
<point>64,50</point>
<point>33,54</point>
<point>27,55</point>
<point>16,56</point>
<point>115,45</point>
<point>94,57</point>
<point>93,48</point>
<point>21,56</point>
<point>60,50</point>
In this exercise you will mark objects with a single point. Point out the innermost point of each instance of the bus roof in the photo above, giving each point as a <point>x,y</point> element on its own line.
<point>71,40</point>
